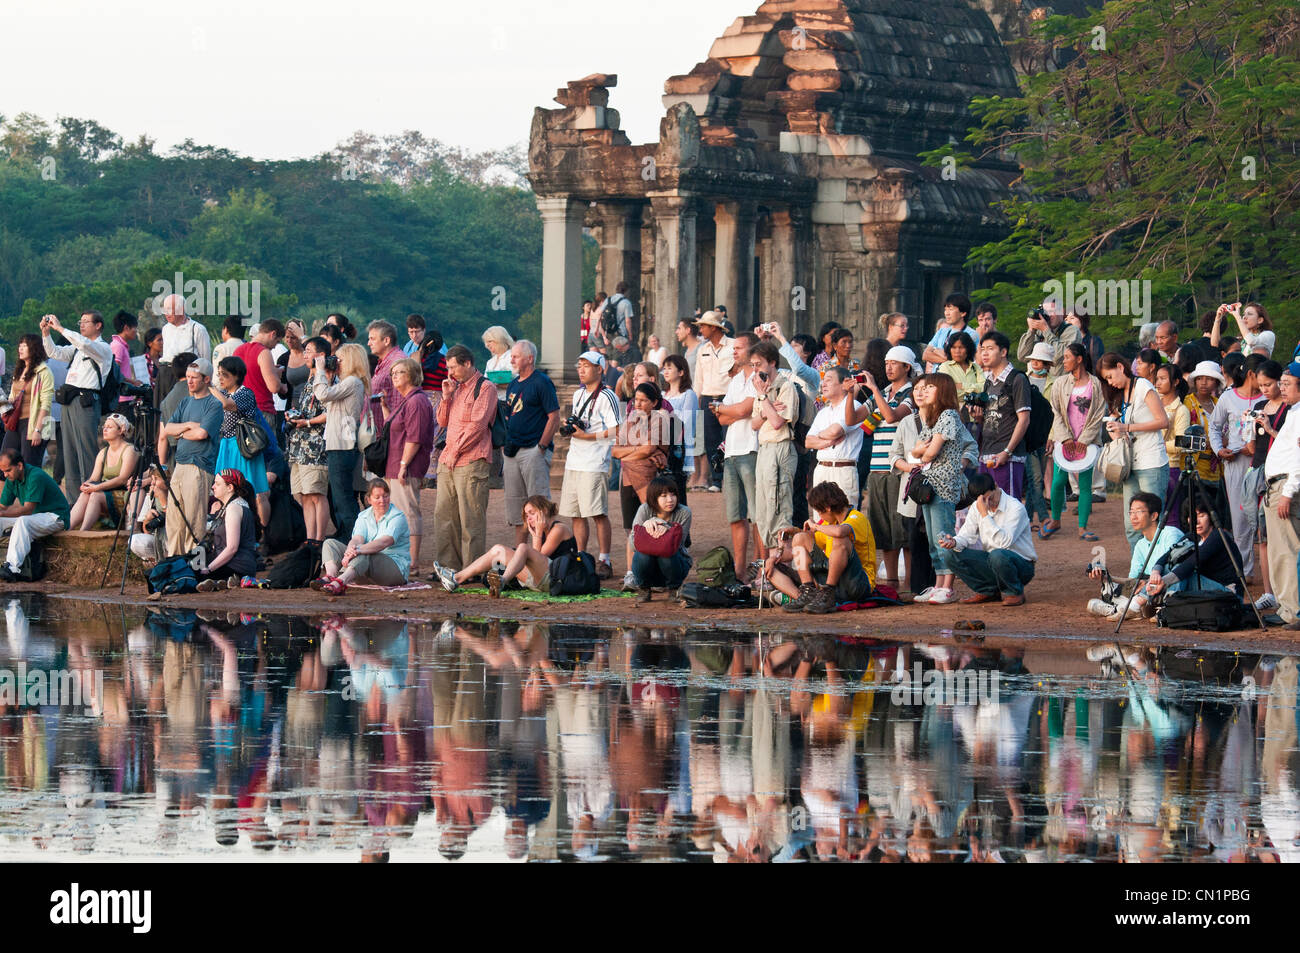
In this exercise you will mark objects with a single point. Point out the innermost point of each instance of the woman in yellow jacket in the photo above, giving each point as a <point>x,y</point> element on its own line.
<point>32,396</point>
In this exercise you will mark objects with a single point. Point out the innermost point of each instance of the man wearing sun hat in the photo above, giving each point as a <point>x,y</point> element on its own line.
<point>715,365</point>
<point>584,494</point>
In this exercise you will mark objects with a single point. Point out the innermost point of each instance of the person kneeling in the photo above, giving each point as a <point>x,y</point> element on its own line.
<point>659,555</point>
<point>529,562</point>
<point>378,553</point>
<point>233,532</point>
<point>1005,563</point>
<point>835,559</point>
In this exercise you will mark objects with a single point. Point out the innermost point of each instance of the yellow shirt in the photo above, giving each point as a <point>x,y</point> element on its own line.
<point>863,542</point>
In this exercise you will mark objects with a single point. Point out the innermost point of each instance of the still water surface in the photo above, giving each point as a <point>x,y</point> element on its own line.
<point>277,738</point>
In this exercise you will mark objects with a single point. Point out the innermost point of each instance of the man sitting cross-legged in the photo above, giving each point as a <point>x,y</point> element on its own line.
<point>834,558</point>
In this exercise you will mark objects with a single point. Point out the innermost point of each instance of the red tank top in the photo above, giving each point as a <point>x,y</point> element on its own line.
<point>249,354</point>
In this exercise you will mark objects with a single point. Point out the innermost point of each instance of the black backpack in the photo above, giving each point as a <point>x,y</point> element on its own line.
<point>498,421</point>
<point>574,574</point>
<point>111,389</point>
<point>294,570</point>
<point>287,529</point>
<point>1040,420</point>
<point>696,595</point>
<point>1208,611</point>
<point>609,317</point>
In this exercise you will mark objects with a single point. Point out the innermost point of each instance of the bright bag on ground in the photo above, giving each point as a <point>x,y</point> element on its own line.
<point>717,567</point>
<point>661,547</point>
<point>574,575</point>
<point>1208,611</point>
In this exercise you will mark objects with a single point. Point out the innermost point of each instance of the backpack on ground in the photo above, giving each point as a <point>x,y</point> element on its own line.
<point>1208,611</point>
<point>294,570</point>
<point>1040,420</point>
<point>695,595</point>
<point>287,529</point>
<point>173,575</point>
<point>717,567</point>
<point>34,566</point>
<point>574,574</point>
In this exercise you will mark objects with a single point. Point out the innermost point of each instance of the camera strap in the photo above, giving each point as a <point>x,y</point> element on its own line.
<point>582,411</point>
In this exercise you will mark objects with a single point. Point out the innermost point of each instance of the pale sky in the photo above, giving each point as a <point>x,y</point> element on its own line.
<point>279,79</point>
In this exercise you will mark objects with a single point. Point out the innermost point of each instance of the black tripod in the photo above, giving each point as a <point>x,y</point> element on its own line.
<point>146,446</point>
<point>1190,480</point>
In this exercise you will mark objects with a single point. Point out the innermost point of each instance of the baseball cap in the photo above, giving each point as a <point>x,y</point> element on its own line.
<point>203,366</point>
<point>592,357</point>
<point>1293,369</point>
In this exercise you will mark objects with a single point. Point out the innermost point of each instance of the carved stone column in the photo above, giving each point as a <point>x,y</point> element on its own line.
<point>733,276</point>
<point>791,280</point>
<point>675,261</point>
<point>561,284</point>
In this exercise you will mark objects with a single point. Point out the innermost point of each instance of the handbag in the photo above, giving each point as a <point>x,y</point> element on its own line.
<point>919,490</point>
<point>376,453</point>
<point>1116,460</point>
<point>366,429</point>
<point>13,414</point>
<point>660,547</point>
<point>250,438</point>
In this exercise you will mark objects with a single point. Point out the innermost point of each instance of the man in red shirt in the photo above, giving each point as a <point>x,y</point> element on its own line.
<point>263,377</point>
<point>467,410</point>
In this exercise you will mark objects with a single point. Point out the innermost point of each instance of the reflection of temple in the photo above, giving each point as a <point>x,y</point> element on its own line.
<point>785,183</point>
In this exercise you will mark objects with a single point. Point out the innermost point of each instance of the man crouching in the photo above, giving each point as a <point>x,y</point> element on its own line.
<point>834,559</point>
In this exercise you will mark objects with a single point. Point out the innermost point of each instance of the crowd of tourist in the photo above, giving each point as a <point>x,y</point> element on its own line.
<point>841,478</point>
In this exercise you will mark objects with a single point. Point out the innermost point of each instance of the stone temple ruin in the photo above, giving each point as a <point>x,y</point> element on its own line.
<point>785,183</point>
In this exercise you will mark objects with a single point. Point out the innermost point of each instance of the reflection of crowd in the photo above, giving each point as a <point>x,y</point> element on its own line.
<point>561,742</point>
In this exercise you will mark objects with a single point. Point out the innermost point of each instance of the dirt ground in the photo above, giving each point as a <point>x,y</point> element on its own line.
<point>1054,610</point>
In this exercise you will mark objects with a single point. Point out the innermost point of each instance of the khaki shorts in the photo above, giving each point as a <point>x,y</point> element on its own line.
<point>306,478</point>
<point>584,494</point>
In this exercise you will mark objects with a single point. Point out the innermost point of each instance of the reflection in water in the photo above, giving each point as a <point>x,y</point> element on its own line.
<point>339,738</point>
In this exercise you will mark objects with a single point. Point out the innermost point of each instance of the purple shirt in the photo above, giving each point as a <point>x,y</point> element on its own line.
<point>412,422</point>
<point>122,354</point>
<point>382,383</point>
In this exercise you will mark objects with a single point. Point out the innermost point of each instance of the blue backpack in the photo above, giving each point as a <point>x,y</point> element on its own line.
<point>173,575</point>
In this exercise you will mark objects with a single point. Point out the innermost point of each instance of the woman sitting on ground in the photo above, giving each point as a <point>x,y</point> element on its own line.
<point>105,491</point>
<point>658,515</point>
<point>233,532</point>
<point>379,552</point>
<point>529,562</point>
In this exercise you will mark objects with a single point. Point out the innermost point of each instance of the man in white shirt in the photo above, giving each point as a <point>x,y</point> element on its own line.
<point>1005,562</point>
<point>1282,479</point>
<point>837,450</point>
<point>584,494</point>
<point>716,362</point>
<point>741,442</point>
<point>90,360</point>
<point>180,335</point>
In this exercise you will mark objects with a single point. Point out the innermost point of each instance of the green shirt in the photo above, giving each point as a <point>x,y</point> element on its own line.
<point>37,487</point>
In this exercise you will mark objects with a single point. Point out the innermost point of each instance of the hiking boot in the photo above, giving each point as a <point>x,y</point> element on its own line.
<point>494,584</point>
<point>211,585</point>
<point>806,592</point>
<point>643,594</point>
<point>604,570</point>
<point>822,601</point>
<point>443,575</point>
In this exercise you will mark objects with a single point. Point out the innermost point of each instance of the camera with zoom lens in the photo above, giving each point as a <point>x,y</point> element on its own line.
<point>1038,313</point>
<point>1192,440</point>
<point>975,398</point>
<point>155,523</point>
<point>332,363</point>
<point>718,458</point>
<point>571,426</point>
<point>135,391</point>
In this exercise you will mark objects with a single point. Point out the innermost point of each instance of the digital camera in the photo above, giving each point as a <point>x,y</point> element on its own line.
<point>1192,440</point>
<point>571,426</point>
<point>976,398</point>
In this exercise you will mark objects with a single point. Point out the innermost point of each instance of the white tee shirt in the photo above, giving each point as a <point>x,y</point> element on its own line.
<point>1148,447</point>
<point>741,437</point>
<point>592,456</point>
<point>846,449</point>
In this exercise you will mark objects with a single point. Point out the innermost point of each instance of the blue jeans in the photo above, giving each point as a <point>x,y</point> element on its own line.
<point>1035,502</point>
<point>990,573</point>
<point>1154,480</point>
<point>342,464</point>
<point>940,517</point>
<point>668,572</point>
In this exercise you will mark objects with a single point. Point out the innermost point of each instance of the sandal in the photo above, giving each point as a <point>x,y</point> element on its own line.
<point>1045,533</point>
<point>1089,537</point>
<point>335,587</point>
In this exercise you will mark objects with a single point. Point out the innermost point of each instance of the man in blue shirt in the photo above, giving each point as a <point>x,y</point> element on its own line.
<point>196,425</point>
<point>1144,517</point>
<point>534,417</point>
<point>31,506</point>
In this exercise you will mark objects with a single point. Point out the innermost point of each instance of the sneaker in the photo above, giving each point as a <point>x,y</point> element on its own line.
<point>806,592</point>
<point>1266,602</point>
<point>822,601</point>
<point>924,595</point>
<point>211,585</point>
<point>714,489</point>
<point>1106,610</point>
<point>629,582</point>
<point>494,584</point>
<point>604,570</point>
<point>443,575</point>
<point>942,597</point>
<point>643,594</point>
<point>335,587</point>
